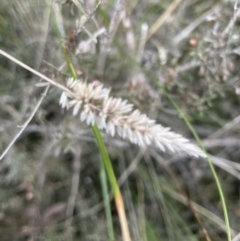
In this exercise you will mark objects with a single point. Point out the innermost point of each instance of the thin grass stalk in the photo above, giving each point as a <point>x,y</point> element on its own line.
<point>118,200</point>
<point>101,145</point>
<point>61,40</point>
<point>216,221</point>
<point>158,23</point>
<point>103,179</point>
<point>23,127</point>
<point>189,202</point>
<point>114,184</point>
<point>61,87</point>
<point>197,138</point>
<point>78,4</point>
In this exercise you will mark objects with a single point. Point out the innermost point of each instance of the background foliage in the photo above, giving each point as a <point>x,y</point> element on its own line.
<point>194,54</point>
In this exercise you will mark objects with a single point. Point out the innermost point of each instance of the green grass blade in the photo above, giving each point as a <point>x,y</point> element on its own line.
<point>61,40</point>
<point>106,160</point>
<point>101,145</point>
<point>219,187</point>
<point>103,179</point>
<point>114,184</point>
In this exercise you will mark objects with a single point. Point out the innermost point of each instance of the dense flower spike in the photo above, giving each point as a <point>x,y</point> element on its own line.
<point>117,116</point>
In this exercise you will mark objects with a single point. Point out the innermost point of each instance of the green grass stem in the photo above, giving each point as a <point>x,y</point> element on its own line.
<point>103,179</point>
<point>100,142</point>
<point>191,128</point>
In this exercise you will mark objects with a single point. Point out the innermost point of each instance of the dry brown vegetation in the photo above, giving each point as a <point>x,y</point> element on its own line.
<point>49,178</point>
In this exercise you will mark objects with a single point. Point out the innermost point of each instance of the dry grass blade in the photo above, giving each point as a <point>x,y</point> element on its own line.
<point>163,18</point>
<point>114,23</point>
<point>78,4</point>
<point>201,210</point>
<point>62,87</point>
<point>191,27</point>
<point>23,127</point>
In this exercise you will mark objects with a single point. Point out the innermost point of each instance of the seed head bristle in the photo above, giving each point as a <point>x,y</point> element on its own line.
<point>115,115</point>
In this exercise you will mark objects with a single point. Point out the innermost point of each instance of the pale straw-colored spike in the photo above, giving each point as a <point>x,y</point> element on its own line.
<point>117,116</point>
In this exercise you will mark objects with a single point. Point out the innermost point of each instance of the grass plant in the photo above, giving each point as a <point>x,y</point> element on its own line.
<point>84,88</point>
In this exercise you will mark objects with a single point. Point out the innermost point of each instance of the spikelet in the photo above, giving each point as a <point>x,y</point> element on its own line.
<point>115,115</point>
